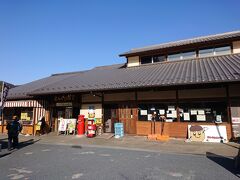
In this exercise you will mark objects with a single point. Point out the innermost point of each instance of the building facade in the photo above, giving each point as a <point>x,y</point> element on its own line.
<point>176,85</point>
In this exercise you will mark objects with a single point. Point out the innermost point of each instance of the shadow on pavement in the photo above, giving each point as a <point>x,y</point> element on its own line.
<point>227,163</point>
<point>77,147</point>
<point>22,144</point>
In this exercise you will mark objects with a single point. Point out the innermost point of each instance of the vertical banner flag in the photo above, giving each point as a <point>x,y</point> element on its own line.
<point>4,93</point>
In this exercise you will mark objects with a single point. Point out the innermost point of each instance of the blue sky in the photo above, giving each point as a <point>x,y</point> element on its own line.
<point>42,37</point>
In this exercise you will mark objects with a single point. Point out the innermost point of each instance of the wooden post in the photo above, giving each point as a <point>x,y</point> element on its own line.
<point>2,120</point>
<point>177,104</point>
<point>229,110</point>
<point>102,101</point>
<point>34,118</point>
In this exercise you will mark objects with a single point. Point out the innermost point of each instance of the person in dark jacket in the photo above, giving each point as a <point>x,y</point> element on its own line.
<point>13,127</point>
<point>43,126</point>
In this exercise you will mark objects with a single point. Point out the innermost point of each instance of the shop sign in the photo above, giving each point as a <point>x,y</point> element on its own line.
<point>207,133</point>
<point>63,98</point>
<point>64,104</point>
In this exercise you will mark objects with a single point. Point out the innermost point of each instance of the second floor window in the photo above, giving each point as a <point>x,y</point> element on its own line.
<point>182,56</point>
<point>152,59</point>
<point>215,51</point>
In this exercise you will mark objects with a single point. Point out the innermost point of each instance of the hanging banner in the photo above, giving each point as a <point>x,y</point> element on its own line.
<point>4,93</point>
<point>207,133</point>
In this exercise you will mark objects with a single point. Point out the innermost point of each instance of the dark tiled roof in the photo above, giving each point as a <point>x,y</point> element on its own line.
<point>20,92</point>
<point>202,39</point>
<point>196,71</point>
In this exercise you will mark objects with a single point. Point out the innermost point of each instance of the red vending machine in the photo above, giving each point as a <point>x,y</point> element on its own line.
<point>91,128</point>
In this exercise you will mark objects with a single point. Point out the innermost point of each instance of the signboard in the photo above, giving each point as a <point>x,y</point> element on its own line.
<point>235,112</point>
<point>207,133</point>
<point>59,104</point>
<point>236,127</point>
<point>64,98</point>
<point>62,124</point>
<point>119,130</point>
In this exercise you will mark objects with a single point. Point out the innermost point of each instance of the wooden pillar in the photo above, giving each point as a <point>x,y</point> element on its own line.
<point>102,101</point>
<point>34,118</point>
<point>229,110</point>
<point>80,102</point>
<point>2,120</point>
<point>136,103</point>
<point>177,106</point>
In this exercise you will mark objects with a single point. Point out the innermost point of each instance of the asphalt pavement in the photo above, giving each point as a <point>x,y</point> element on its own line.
<point>44,161</point>
<point>131,157</point>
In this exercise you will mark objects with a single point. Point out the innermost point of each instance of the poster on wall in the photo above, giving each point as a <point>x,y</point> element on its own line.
<point>149,117</point>
<point>186,116</point>
<point>201,118</point>
<point>193,112</point>
<point>207,133</point>
<point>24,116</point>
<point>143,112</point>
<point>162,111</point>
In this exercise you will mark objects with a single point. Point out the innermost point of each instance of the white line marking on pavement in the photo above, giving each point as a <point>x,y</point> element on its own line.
<point>28,153</point>
<point>105,155</point>
<point>21,170</point>
<point>19,174</point>
<point>16,176</point>
<point>46,150</point>
<point>87,152</point>
<point>77,176</point>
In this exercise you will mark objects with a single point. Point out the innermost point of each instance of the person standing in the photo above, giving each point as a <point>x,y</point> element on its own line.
<point>43,126</point>
<point>13,127</point>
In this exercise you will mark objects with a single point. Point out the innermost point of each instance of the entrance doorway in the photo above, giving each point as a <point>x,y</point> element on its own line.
<point>110,117</point>
<point>128,116</point>
<point>65,113</point>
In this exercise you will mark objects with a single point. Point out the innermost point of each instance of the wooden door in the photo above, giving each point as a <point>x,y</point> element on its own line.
<point>128,116</point>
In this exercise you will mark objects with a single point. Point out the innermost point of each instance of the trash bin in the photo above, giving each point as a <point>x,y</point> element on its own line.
<point>81,125</point>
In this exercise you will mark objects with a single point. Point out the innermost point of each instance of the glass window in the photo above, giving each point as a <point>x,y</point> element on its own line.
<point>203,112</point>
<point>174,57</point>
<point>182,56</point>
<point>206,52</point>
<point>223,50</point>
<point>215,51</point>
<point>152,59</point>
<point>24,114</point>
<point>188,55</point>
<point>146,59</point>
<point>158,58</point>
<point>158,112</point>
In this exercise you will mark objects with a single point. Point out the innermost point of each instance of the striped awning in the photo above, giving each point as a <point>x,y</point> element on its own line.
<point>25,103</point>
